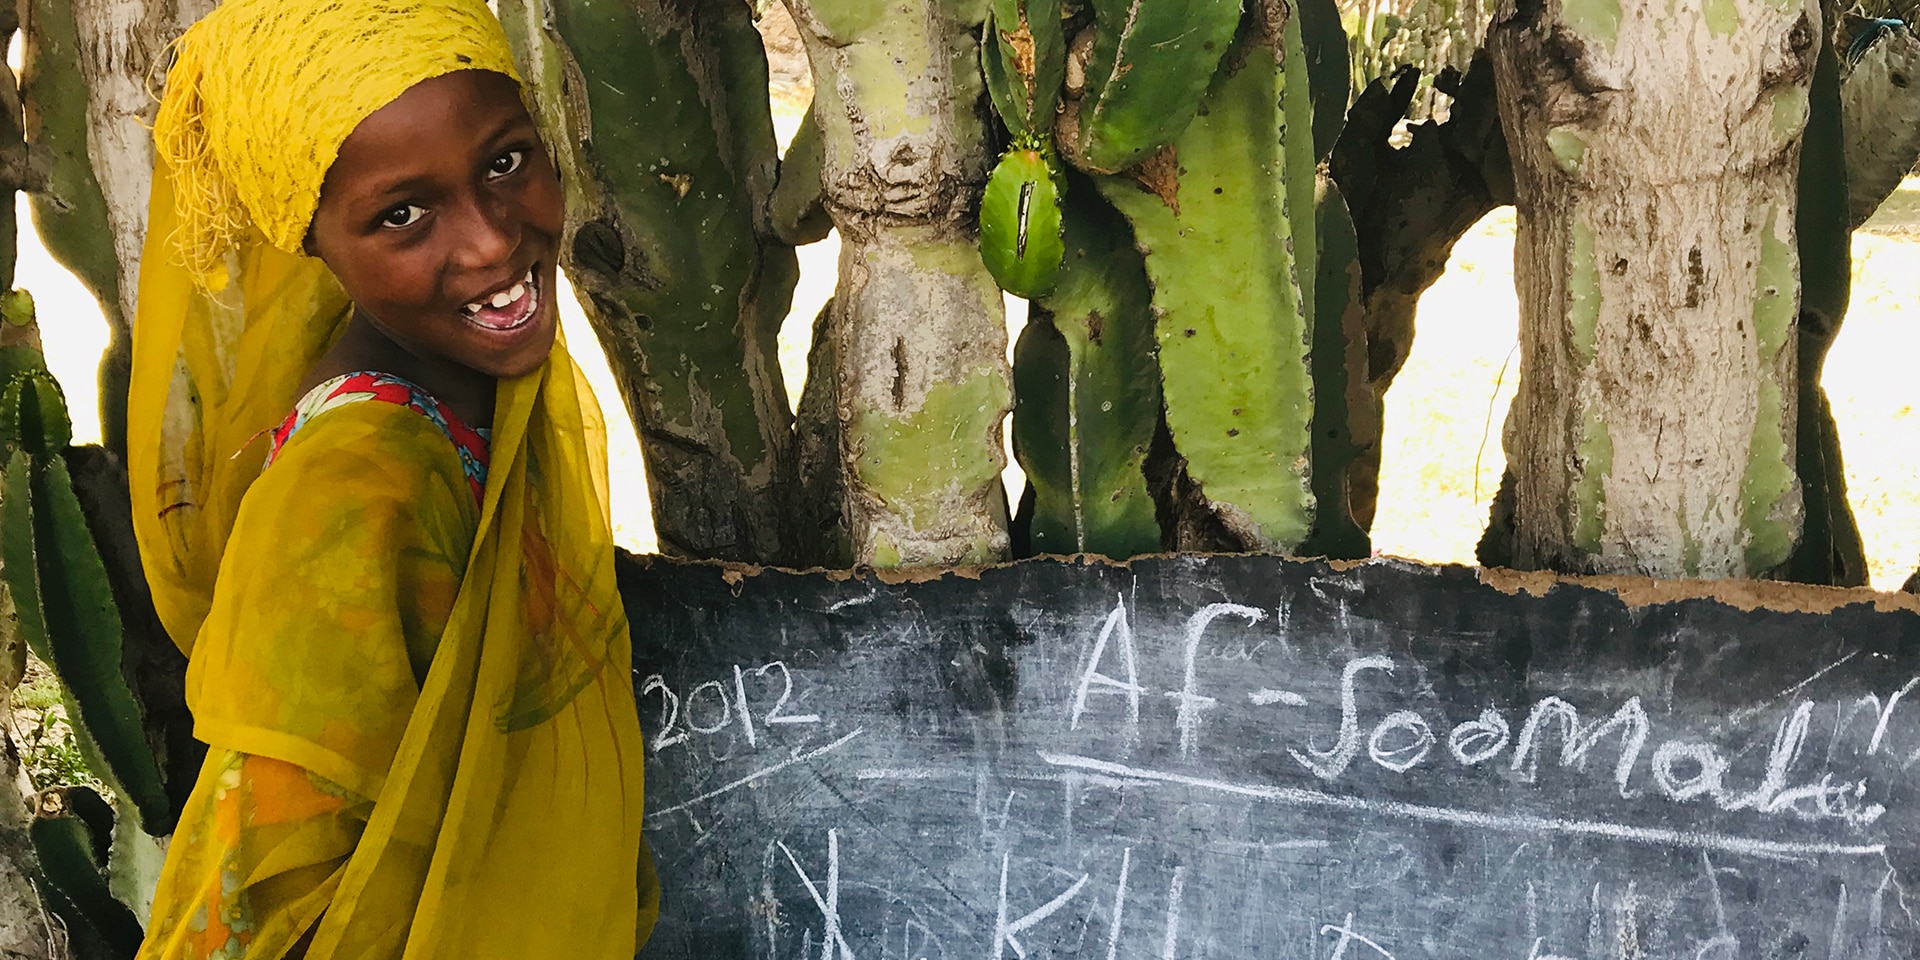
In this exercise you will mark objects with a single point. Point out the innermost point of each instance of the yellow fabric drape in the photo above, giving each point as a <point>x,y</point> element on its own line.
<point>502,755</point>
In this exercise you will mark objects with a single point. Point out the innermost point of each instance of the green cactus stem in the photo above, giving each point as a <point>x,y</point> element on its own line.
<point>1224,251</point>
<point>1023,54</point>
<point>660,120</point>
<point>63,597</point>
<point>1341,395</point>
<point>798,210</point>
<point>1329,64</point>
<point>69,208</point>
<point>921,383</point>
<point>1654,427</point>
<point>69,834</point>
<point>1144,73</point>
<point>1020,221</point>
<point>820,514</point>
<point>1087,395</point>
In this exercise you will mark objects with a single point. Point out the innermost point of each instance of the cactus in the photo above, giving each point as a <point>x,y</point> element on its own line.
<point>660,121</point>
<point>1655,285</point>
<point>797,209</point>
<point>921,379</point>
<point>1341,396</point>
<point>63,597</point>
<point>1148,64</point>
<point>1023,54</point>
<point>1087,395</point>
<point>70,832</point>
<point>1328,65</point>
<point>69,208</point>
<point>1879,101</point>
<point>1020,221</point>
<point>1229,258</point>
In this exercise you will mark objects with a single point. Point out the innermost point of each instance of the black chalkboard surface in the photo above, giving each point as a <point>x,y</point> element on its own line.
<point>1247,757</point>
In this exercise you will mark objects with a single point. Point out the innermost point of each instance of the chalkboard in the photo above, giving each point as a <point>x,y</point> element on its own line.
<point>1247,757</point>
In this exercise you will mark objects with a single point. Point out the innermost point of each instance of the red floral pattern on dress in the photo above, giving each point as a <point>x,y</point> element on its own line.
<point>473,445</point>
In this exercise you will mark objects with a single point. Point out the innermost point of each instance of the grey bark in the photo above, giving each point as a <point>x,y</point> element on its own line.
<point>1656,264</point>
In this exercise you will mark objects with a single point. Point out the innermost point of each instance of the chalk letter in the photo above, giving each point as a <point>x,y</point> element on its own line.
<point>1328,764</point>
<point>1477,741</point>
<point>1786,749</point>
<point>1673,753</point>
<point>1630,720</point>
<point>1116,623</point>
<point>1402,758</point>
<point>830,904</point>
<point>1347,935</point>
<point>1003,932</point>
<point>1190,702</point>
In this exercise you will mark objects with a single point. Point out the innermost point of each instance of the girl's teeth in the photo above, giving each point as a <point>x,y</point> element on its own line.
<point>501,299</point>
<point>519,290</point>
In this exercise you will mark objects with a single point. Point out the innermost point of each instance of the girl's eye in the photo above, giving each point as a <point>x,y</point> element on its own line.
<point>404,215</point>
<point>506,163</point>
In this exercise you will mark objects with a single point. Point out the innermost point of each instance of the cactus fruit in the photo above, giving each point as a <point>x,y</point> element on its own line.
<point>1880,99</point>
<point>1087,395</point>
<point>70,832</point>
<point>1149,63</point>
<point>1227,264</point>
<point>664,138</point>
<point>1020,221</point>
<point>1023,54</point>
<point>61,591</point>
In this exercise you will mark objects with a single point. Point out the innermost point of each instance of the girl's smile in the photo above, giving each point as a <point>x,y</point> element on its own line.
<point>441,217</point>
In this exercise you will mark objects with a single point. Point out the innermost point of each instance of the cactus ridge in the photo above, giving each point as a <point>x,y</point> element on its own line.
<point>1228,265</point>
<point>33,414</point>
<point>67,613</point>
<point>1152,60</point>
<point>1020,223</point>
<point>1087,395</point>
<point>1023,55</point>
<point>1339,362</point>
<point>70,842</point>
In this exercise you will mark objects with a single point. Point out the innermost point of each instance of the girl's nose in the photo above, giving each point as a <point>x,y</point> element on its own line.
<point>489,233</point>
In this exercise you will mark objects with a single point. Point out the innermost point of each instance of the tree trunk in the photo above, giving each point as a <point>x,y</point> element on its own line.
<point>1657,272</point>
<point>921,383</point>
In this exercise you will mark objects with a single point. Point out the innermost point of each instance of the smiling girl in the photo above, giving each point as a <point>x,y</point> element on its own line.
<point>370,494</point>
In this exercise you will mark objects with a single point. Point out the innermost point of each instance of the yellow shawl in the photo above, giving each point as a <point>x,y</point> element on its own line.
<point>504,763</point>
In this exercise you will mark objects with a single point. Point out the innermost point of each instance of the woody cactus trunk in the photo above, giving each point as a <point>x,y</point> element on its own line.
<point>919,382</point>
<point>1659,280</point>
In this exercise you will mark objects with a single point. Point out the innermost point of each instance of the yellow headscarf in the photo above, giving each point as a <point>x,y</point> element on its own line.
<point>507,806</point>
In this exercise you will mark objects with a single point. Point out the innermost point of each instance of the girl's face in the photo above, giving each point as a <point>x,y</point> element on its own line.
<point>442,219</point>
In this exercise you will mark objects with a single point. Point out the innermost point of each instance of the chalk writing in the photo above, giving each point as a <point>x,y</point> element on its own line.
<point>1299,766</point>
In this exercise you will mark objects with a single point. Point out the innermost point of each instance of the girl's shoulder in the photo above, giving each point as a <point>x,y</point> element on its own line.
<point>364,413</point>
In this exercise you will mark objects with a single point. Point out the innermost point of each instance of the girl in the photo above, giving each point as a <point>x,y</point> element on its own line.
<point>370,492</point>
